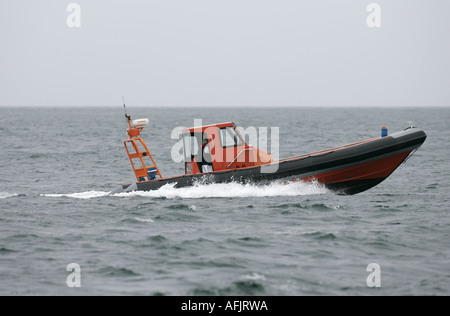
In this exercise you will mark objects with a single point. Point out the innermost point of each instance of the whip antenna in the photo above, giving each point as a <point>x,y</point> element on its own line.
<point>125,109</point>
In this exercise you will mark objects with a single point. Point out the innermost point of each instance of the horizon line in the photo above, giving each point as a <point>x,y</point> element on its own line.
<point>225,106</point>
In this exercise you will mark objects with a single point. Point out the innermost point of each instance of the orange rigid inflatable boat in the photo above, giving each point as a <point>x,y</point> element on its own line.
<point>218,154</point>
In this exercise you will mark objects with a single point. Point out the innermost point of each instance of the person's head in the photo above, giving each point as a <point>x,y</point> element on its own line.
<point>205,139</point>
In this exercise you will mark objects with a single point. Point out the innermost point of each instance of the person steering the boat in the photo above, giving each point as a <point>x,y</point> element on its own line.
<point>206,155</point>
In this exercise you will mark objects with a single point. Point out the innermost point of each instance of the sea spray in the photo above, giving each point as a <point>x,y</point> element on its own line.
<point>213,190</point>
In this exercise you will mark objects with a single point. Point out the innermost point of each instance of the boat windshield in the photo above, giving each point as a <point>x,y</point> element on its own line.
<point>229,137</point>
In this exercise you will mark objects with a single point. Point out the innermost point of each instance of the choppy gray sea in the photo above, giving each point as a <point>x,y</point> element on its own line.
<point>57,167</point>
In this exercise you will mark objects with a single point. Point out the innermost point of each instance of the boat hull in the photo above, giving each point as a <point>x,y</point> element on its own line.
<point>349,169</point>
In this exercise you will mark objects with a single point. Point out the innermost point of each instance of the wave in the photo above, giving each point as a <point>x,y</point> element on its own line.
<point>81,195</point>
<point>5,195</point>
<point>214,190</point>
<point>117,272</point>
<point>254,276</point>
<point>144,220</point>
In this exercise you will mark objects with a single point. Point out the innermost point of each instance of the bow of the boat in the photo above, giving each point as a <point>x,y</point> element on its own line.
<point>387,155</point>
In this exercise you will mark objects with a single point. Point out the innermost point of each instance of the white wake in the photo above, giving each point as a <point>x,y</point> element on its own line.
<point>81,195</point>
<point>215,190</point>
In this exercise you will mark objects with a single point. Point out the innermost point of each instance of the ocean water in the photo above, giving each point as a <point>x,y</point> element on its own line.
<point>57,167</point>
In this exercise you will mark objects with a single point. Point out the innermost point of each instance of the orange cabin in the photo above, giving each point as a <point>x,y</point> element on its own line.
<point>219,147</point>
<point>207,149</point>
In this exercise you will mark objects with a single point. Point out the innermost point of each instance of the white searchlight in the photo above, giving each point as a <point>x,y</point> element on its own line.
<point>140,123</point>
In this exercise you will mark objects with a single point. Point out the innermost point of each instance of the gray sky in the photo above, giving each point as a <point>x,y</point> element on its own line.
<point>225,53</point>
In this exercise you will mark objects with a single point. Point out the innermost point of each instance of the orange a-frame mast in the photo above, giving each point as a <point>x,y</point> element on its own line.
<point>138,156</point>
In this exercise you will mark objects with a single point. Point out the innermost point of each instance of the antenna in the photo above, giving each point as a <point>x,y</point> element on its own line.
<point>125,109</point>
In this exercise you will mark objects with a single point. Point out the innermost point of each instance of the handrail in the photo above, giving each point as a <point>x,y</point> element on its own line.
<point>250,148</point>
